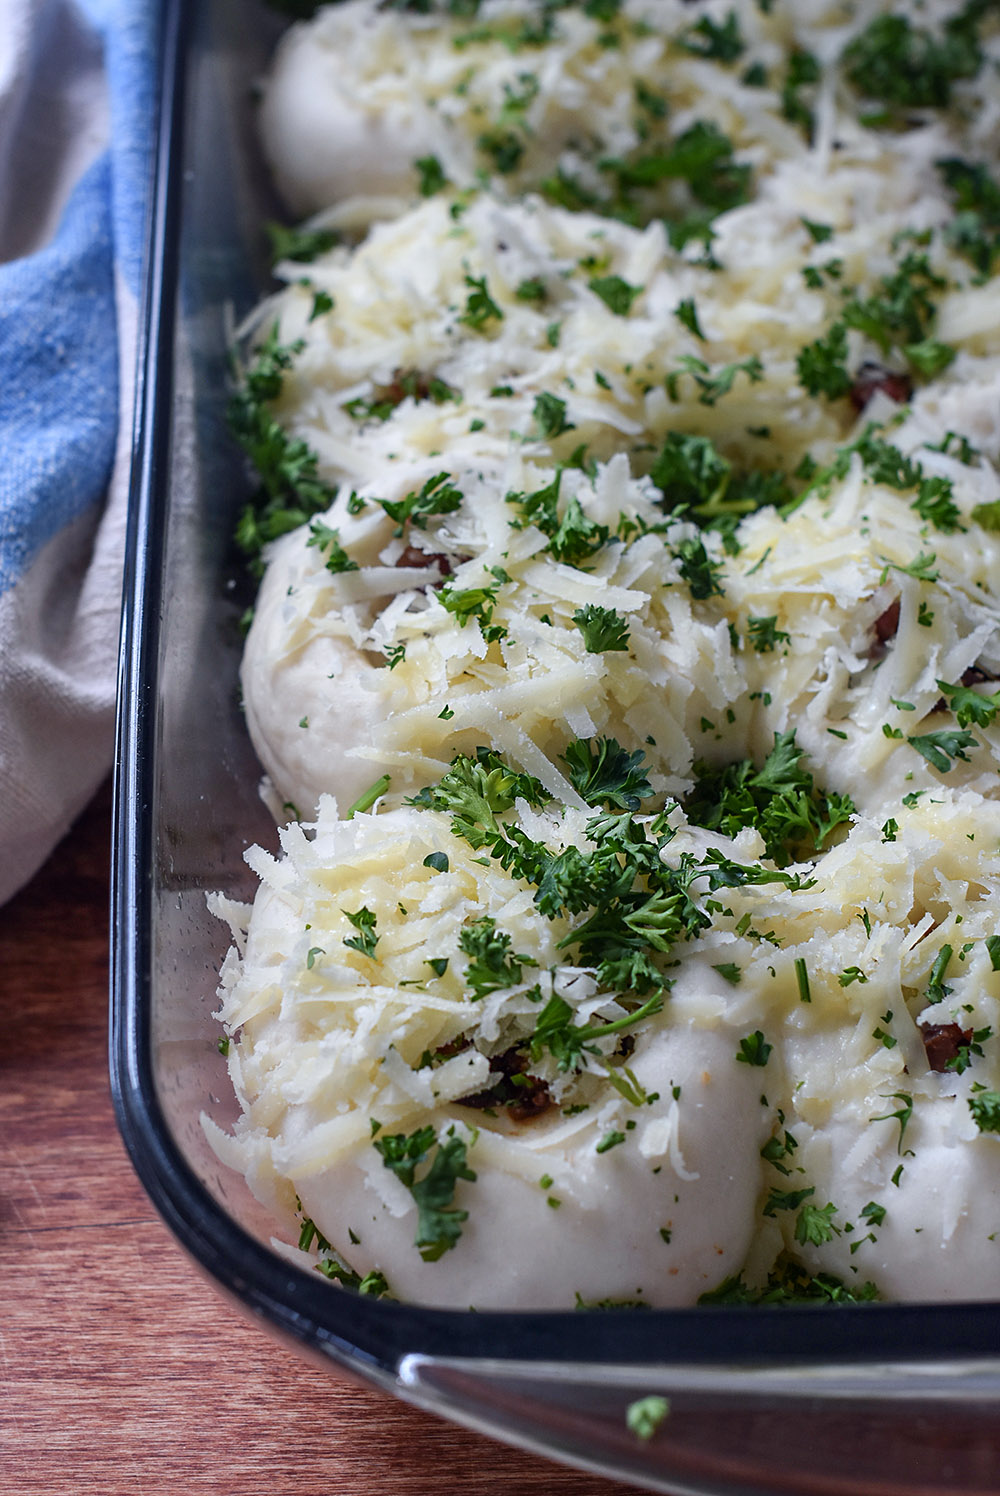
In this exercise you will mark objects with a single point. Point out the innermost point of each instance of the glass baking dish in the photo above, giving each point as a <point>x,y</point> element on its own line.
<point>861,1399</point>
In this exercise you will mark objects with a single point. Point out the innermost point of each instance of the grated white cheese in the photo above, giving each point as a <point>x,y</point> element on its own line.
<point>821,367</point>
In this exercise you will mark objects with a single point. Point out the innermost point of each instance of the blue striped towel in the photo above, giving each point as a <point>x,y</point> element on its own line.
<point>77,91</point>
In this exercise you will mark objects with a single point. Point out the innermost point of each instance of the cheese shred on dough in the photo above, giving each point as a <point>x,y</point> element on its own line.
<point>627,655</point>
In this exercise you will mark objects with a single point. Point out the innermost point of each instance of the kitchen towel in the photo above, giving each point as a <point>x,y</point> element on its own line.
<point>77,93</point>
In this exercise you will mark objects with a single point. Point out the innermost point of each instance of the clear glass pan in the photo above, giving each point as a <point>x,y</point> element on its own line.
<point>873,1400</point>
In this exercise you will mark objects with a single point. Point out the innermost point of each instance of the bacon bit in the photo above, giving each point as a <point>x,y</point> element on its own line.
<point>977,676</point>
<point>943,1041</point>
<point>415,557</point>
<point>872,378</point>
<point>452,1048</point>
<point>405,382</point>
<point>530,1103</point>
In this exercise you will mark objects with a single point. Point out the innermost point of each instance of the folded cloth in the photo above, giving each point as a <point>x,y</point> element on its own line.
<point>77,91</point>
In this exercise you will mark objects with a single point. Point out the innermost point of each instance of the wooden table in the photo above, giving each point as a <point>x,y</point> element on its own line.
<point>121,1369</point>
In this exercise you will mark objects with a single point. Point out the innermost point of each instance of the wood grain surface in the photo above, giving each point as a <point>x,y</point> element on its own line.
<point>121,1369</point>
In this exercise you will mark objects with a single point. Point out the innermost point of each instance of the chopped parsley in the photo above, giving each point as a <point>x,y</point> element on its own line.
<point>327,540</point>
<point>616,293</point>
<point>942,748</point>
<point>480,308</point>
<point>644,1416</point>
<point>790,1283</point>
<point>754,1049</point>
<point>686,312</point>
<point>439,1221</point>
<point>492,966</point>
<point>698,569</point>
<point>603,630</point>
<point>971,707</point>
<point>712,383</point>
<point>975,230</point>
<point>822,365</point>
<point>900,66</point>
<point>301,245</point>
<point>765,634</point>
<point>568,1042</point>
<point>985,1108</point>
<point>291,489</point>
<point>605,774</point>
<point>721,41</point>
<point>431,175</point>
<point>438,496</point>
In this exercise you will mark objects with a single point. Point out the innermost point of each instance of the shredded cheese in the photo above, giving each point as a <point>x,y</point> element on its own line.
<point>634,671</point>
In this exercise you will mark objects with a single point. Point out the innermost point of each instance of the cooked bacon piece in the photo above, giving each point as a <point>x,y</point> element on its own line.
<point>872,378</point>
<point>943,1041</point>
<point>524,1096</point>
<point>887,623</point>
